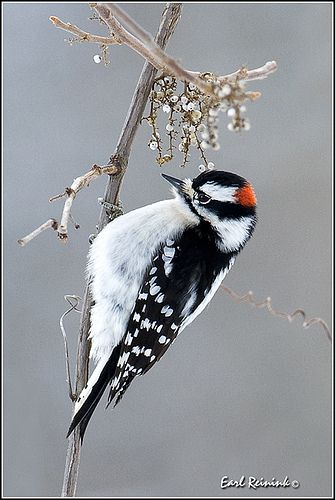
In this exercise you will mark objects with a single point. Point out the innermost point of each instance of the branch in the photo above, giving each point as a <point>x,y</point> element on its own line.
<point>131,24</point>
<point>163,61</point>
<point>71,192</point>
<point>267,303</point>
<point>50,223</point>
<point>120,158</point>
<point>143,43</point>
<point>150,51</point>
<point>253,74</point>
<point>78,184</point>
<point>84,36</point>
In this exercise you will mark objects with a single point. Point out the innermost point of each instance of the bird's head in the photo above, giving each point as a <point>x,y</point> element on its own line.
<point>224,200</point>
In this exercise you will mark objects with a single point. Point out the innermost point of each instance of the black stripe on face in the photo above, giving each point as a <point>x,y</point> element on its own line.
<point>228,210</point>
<point>189,202</point>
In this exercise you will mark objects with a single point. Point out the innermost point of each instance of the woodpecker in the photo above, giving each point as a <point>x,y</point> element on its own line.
<point>153,270</point>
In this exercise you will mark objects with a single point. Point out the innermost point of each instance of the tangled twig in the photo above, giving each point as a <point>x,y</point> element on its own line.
<point>267,304</point>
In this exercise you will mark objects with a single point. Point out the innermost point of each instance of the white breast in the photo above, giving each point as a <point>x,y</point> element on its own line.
<point>118,259</point>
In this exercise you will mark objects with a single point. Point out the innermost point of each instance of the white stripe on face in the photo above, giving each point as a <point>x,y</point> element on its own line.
<point>220,193</point>
<point>234,233</point>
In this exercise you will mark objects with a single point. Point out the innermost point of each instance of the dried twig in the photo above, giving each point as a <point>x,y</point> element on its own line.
<point>84,36</point>
<point>50,223</point>
<point>73,300</point>
<point>132,25</point>
<point>168,64</point>
<point>143,43</point>
<point>71,192</point>
<point>267,304</point>
<point>253,74</point>
<point>151,52</point>
<point>143,35</point>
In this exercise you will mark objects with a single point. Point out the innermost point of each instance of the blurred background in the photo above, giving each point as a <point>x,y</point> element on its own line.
<point>240,392</point>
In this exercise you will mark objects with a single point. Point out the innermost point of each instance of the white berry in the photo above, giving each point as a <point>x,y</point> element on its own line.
<point>226,90</point>
<point>97,59</point>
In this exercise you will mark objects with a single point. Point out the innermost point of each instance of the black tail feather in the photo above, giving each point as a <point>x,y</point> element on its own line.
<point>84,422</point>
<point>82,417</point>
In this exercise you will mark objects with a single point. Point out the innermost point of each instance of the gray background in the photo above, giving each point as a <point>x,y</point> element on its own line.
<point>240,392</point>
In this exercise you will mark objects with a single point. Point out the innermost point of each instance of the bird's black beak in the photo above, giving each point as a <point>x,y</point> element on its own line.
<point>178,184</point>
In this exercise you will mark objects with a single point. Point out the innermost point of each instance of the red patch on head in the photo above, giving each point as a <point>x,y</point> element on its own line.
<point>246,196</point>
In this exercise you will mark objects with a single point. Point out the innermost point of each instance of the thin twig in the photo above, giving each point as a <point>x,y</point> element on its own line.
<point>253,74</point>
<point>57,196</point>
<point>69,299</point>
<point>75,224</point>
<point>50,223</point>
<point>132,25</point>
<point>267,304</point>
<point>84,36</point>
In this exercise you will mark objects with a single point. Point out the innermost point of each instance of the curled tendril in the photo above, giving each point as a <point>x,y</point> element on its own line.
<point>267,304</point>
<point>73,300</point>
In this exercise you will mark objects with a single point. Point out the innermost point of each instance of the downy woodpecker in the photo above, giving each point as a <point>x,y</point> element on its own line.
<point>152,271</point>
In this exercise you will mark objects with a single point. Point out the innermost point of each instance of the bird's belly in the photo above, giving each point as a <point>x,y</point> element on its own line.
<point>115,287</point>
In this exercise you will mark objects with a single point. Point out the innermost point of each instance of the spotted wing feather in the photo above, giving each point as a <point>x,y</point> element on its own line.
<point>147,339</point>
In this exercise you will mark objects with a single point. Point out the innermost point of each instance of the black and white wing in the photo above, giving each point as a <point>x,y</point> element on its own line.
<point>178,284</point>
<point>174,291</point>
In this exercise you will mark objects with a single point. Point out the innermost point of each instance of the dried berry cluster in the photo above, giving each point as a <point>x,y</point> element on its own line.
<point>192,116</point>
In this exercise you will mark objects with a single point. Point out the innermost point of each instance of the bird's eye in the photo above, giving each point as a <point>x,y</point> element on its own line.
<point>202,198</point>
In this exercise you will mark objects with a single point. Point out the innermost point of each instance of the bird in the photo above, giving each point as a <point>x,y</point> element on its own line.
<point>152,271</point>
